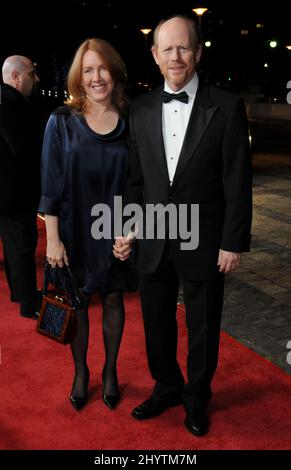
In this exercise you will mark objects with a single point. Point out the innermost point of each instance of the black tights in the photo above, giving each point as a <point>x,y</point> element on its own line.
<point>113,323</point>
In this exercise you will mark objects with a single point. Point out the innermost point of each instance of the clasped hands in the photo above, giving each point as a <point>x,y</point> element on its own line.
<point>122,247</point>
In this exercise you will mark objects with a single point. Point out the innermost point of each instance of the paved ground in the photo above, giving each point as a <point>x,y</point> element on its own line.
<point>257,309</point>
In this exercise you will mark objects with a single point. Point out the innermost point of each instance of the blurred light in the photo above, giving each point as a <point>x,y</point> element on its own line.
<point>207,43</point>
<point>244,32</point>
<point>259,25</point>
<point>273,44</point>
<point>266,65</point>
<point>145,31</point>
<point>229,78</point>
<point>199,11</point>
<point>288,47</point>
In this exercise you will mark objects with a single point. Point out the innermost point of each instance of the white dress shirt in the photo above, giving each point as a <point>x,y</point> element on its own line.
<point>175,118</point>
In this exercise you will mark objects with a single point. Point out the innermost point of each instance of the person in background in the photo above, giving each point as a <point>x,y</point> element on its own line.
<point>189,145</point>
<point>84,162</point>
<point>20,151</point>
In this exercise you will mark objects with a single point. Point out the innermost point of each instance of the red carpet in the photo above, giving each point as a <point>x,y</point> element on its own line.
<point>250,410</point>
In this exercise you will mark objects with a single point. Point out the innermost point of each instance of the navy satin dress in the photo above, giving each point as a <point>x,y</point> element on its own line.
<point>81,168</point>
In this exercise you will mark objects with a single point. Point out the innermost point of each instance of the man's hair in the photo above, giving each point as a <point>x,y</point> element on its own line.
<point>13,63</point>
<point>194,31</point>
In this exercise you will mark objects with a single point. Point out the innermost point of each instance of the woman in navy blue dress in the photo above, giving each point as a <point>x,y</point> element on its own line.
<point>84,163</point>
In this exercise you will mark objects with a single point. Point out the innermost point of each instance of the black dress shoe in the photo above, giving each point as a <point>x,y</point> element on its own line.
<point>197,424</point>
<point>111,400</point>
<point>32,309</point>
<point>32,315</point>
<point>154,407</point>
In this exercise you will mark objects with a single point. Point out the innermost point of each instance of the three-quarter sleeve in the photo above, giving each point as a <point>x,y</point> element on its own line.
<point>52,168</point>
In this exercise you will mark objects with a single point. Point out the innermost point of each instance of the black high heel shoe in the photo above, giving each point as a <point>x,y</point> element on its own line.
<point>79,402</point>
<point>109,400</point>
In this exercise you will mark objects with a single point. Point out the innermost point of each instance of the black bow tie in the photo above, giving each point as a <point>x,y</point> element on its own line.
<point>166,97</point>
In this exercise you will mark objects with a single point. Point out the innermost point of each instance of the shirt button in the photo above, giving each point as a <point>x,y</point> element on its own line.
<point>174,135</point>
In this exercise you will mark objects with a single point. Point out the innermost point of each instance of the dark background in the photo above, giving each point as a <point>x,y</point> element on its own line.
<point>49,31</point>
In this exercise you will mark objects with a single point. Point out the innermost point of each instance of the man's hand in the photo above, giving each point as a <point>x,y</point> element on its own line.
<point>122,247</point>
<point>228,261</point>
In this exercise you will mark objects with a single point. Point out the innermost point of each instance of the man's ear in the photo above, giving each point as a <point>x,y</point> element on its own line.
<point>155,54</point>
<point>15,79</point>
<point>14,75</point>
<point>198,53</point>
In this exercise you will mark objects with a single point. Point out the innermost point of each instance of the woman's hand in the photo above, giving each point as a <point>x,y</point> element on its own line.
<point>56,254</point>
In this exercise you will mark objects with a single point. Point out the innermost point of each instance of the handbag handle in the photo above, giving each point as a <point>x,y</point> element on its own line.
<point>67,283</point>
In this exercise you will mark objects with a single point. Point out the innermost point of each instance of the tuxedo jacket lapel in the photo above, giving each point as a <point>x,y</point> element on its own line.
<point>153,126</point>
<point>201,115</point>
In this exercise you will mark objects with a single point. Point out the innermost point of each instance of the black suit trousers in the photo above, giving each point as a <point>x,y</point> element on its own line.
<point>203,302</point>
<point>19,237</point>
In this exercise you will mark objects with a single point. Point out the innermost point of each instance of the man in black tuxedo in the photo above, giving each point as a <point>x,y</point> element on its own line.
<point>189,145</point>
<point>20,150</point>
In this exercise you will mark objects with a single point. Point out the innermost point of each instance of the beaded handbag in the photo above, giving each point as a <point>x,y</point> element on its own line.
<point>57,319</point>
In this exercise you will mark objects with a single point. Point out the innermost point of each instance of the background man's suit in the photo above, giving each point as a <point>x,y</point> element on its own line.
<point>20,147</point>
